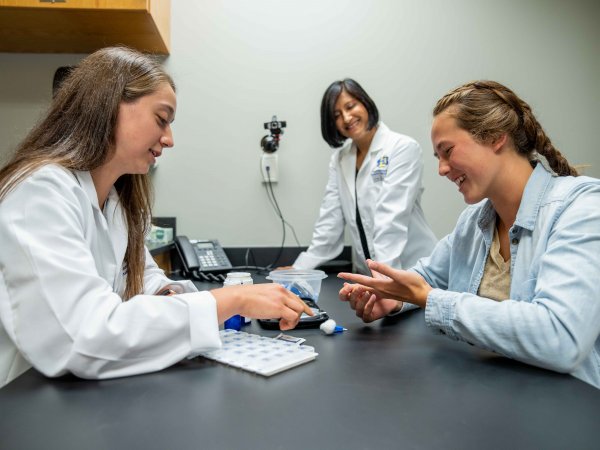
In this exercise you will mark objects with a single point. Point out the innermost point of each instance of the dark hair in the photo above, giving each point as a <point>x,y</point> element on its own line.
<point>328,129</point>
<point>78,133</point>
<point>487,110</point>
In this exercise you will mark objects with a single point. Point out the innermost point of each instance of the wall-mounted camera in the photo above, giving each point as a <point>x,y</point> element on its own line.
<point>270,142</point>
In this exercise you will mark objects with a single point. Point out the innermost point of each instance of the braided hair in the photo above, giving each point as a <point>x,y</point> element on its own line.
<point>487,110</point>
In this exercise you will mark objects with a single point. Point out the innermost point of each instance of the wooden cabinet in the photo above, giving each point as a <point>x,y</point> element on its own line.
<point>82,26</point>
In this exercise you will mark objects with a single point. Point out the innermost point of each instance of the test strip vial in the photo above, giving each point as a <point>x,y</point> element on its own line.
<point>235,279</point>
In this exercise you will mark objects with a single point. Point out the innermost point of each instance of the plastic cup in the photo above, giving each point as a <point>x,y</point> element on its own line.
<point>306,284</point>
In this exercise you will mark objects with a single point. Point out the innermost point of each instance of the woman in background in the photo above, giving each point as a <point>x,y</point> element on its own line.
<point>374,187</point>
<point>519,273</point>
<point>79,292</point>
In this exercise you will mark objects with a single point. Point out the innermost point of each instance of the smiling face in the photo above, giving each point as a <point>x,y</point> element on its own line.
<point>471,165</point>
<point>351,117</point>
<point>143,129</point>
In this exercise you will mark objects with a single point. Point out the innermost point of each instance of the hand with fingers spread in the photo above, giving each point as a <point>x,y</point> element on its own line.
<point>399,285</point>
<point>261,301</point>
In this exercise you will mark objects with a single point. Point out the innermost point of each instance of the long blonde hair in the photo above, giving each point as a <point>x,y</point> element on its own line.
<point>487,110</point>
<point>78,133</point>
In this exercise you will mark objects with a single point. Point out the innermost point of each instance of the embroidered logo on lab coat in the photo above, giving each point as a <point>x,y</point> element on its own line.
<point>380,170</point>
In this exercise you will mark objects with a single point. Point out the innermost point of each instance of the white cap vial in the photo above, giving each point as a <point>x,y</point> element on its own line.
<point>236,279</point>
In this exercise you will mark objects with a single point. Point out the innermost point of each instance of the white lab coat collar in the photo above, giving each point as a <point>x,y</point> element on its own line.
<point>87,184</point>
<point>111,216</point>
<point>348,156</point>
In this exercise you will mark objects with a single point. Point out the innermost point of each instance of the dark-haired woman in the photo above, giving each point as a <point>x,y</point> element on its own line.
<point>79,291</point>
<point>374,187</point>
<point>519,273</point>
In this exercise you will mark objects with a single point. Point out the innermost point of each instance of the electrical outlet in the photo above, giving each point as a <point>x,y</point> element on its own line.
<point>268,167</point>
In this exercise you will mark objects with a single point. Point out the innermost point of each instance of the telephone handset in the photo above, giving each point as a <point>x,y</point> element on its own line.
<point>204,260</point>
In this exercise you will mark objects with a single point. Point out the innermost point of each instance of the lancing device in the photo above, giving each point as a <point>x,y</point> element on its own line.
<point>330,327</point>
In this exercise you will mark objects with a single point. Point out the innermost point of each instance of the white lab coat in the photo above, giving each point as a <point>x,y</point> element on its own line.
<point>61,282</point>
<point>389,200</point>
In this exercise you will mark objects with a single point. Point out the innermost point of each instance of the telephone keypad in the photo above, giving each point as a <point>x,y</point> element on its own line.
<point>211,258</point>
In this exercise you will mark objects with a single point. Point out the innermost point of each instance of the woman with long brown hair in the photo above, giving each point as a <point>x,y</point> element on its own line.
<point>78,288</point>
<point>518,275</point>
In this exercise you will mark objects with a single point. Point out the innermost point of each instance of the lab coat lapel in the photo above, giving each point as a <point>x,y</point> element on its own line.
<point>348,168</point>
<point>378,142</point>
<point>117,225</point>
<point>109,225</point>
<point>376,146</point>
<point>87,184</point>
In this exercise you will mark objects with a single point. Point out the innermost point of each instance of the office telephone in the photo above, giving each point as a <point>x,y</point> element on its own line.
<point>204,260</point>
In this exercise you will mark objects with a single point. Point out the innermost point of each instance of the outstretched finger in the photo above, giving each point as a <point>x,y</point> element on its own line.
<point>307,309</point>
<point>298,305</point>
<point>381,268</point>
<point>356,278</point>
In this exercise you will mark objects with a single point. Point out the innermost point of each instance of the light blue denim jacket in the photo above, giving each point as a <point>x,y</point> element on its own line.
<point>552,318</point>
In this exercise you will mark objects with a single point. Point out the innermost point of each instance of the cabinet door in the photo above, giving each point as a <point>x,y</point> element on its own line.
<point>74,4</point>
<point>83,26</point>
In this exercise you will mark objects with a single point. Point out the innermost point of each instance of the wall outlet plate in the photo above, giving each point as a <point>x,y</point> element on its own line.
<point>269,160</point>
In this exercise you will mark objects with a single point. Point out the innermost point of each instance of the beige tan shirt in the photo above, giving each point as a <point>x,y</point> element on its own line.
<point>495,283</point>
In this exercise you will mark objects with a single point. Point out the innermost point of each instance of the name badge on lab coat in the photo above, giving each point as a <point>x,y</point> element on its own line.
<point>380,170</point>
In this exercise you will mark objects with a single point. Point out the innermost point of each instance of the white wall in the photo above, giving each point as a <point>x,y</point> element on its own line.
<point>238,62</point>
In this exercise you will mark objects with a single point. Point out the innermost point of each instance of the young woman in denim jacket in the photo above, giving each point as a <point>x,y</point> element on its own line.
<point>518,275</point>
